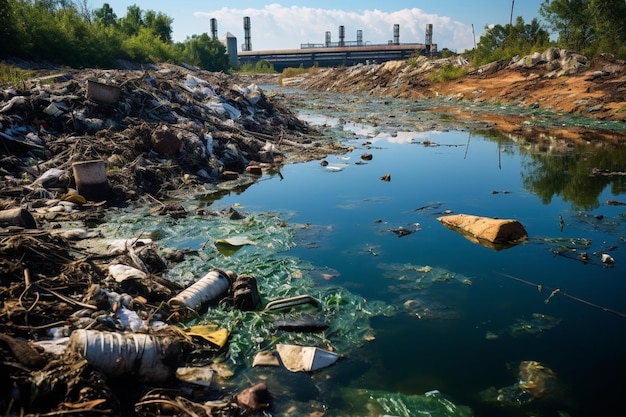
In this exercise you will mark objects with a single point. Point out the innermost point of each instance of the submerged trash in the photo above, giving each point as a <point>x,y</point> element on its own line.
<point>301,325</point>
<point>199,375</point>
<point>535,381</point>
<point>229,246</point>
<point>305,358</point>
<point>366,402</point>
<point>401,231</point>
<point>255,398</point>
<point>536,325</point>
<point>291,302</point>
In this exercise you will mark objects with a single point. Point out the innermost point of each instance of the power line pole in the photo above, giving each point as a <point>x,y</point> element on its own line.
<point>511,20</point>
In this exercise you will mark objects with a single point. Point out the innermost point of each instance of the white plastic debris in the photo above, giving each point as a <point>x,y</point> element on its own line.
<point>607,259</point>
<point>121,272</point>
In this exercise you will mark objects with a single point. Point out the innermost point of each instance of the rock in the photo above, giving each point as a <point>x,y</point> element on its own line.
<point>254,170</point>
<point>165,142</point>
<point>255,398</point>
<point>386,177</point>
<point>485,229</point>
<point>229,175</point>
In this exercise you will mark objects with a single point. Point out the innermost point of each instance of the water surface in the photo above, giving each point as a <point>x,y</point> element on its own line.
<point>446,314</point>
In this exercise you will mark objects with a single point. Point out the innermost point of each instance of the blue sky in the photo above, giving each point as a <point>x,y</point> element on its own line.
<point>286,25</point>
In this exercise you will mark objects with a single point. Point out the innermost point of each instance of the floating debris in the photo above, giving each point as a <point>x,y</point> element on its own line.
<point>535,381</point>
<point>536,325</point>
<point>415,277</point>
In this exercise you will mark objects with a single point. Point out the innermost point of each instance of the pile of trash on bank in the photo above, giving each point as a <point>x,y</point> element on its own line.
<point>155,130</point>
<point>74,337</point>
<point>73,329</point>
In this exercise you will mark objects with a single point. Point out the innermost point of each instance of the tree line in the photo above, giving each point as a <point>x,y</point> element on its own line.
<point>67,32</point>
<point>589,27</point>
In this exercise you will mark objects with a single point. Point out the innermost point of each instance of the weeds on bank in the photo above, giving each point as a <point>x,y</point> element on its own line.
<point>296,72</point>
<point>13,75</point>
<point>260,67</point>
<point>447,72</point>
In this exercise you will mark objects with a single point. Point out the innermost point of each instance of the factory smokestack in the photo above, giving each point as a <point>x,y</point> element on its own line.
<point>214,28</point>
<point>328,38</point>
<point>396,34</point>
<point>359,37</point>
<point>429,37</point>
<point>342,35</point>
<point>247,46</point>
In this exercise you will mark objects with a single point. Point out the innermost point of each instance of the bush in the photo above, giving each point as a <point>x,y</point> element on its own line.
<point>447,72</point>
<point>261,67</point>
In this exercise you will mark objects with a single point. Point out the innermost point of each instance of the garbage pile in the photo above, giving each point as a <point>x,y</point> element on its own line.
<point>154,131</point>
<point>106,334</point>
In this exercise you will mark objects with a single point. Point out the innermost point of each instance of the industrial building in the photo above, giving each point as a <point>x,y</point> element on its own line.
<point>328,54</point>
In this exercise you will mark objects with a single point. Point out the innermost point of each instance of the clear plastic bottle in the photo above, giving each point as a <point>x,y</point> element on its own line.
<point>209,288</point>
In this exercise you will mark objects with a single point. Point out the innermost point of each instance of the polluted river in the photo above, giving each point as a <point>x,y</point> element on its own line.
<point>426,322</point>
<point>409,317</point>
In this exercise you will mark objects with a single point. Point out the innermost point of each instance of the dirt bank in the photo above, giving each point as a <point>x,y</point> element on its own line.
<point>553,95</point>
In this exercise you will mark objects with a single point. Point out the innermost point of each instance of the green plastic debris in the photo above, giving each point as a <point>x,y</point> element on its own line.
<point>430,404</point>
<point>230,246</point>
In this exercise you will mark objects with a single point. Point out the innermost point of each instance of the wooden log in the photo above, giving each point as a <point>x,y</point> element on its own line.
<point>485,229</point>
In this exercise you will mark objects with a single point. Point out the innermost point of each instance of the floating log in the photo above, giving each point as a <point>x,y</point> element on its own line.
<point>495,233</point>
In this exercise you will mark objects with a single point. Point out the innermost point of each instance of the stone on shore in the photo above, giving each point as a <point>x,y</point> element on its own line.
<point>486,230</point>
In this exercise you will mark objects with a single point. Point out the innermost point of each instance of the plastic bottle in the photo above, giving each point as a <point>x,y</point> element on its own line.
<point>118,354</point>
<point>210,287</point>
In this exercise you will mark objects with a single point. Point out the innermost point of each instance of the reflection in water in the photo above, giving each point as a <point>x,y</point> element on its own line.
<point>579,176</point>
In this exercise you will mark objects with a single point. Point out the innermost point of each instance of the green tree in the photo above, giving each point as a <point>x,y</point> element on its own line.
<point>146,46</point>
<point>504,42</point>
<point>132,21</point>
<point>161,24</point>
<point>609,19</point>
<point>572,20</point>
<point>105,15</point>
<point>8,31</point>
<point>204,52</point>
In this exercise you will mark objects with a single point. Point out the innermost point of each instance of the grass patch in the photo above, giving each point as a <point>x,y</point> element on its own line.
<point>297,72</point>
<point>261,67</point>
<point>447,72</point>
<point>13,75</point>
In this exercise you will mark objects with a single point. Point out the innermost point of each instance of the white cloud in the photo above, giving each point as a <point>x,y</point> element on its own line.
<point>278,27</point>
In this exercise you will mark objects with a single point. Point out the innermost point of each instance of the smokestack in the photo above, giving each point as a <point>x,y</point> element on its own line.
<point>429,37</point>
<point>396,34</point>
<point>247,45</point>
<point>359,37</point>
<point>328,39</point>
<point>342,35</point>
<point>214,28</point>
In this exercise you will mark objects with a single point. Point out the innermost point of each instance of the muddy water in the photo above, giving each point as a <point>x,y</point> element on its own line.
<point>425,320</point>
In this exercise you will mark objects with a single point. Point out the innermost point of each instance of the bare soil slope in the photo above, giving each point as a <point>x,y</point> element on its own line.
<point>586,89</point>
